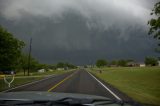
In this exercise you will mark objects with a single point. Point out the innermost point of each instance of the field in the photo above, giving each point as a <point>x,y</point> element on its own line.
<point>140,83</point>
<point>43,74</point>
<point>20,79</point>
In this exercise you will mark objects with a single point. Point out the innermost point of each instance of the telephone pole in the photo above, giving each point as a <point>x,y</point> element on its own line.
<point>29,55</point>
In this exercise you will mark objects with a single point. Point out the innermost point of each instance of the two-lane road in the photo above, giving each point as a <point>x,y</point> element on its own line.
<point>79,81</point>
<point>83,82</point>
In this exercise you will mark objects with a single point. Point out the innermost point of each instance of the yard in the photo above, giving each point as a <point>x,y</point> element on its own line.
<point>140,83</point>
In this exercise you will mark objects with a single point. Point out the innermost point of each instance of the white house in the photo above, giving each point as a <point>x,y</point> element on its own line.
<point>158,63</point>
<point>41,70</point>
<point>60,68</point>
<point>142,65</point>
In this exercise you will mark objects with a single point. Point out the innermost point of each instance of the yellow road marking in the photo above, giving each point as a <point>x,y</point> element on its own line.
<point>53,87</point>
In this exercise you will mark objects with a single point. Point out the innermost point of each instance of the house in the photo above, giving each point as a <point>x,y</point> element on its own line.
<point>41,70</point>
<point>142,65</point>
<point>159,63</point>
<point>113,65</point>
<point>60,69</point>
<point>132,64</point>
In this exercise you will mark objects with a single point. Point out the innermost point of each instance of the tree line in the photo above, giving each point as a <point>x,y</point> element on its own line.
<point>154,30</point>
<point>12,57</point>
<point>149,61</point>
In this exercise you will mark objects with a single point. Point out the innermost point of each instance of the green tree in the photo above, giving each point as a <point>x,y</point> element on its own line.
<point>52,66</point>
<point>34,64</point>
<point>65,65</point>
<point>24,62</point>
<point>70,66</point>
<point>114,62</point>
<point>154,23</point>
<point>151,61</point>
<point>122,63</point>
<point>10,50</point>
<point>101,62</point>
<point>60,65</point>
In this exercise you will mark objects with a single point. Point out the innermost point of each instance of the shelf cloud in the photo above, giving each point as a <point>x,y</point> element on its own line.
<point>81,31</point>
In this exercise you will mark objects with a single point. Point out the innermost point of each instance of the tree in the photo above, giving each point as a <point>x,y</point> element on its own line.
<point>34,64</point>
<point>10,50</point>
<point>154,23</point>
<point>23,62</point>
<point>101,62</point>
<point>151,61</point>
<point>65,65</point>
<point>52,66</point>
<point>122,63</point>
<point>114,62</point>
<point>60,65</point>
<point>70,66</point>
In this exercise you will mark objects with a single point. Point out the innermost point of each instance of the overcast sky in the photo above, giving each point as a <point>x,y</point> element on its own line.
<point>81,31</point>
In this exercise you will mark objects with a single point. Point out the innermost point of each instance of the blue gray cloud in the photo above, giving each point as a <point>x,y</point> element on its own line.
<point>81,31</point>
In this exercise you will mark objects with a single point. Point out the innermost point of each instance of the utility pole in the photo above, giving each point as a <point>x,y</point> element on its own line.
<point>29,55</point>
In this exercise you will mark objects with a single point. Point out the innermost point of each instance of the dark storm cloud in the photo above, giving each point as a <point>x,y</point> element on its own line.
<point>81,31</point>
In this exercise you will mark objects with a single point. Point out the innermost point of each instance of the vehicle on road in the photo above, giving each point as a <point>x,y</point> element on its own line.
<point>37,98</point>
<point>7,72</point>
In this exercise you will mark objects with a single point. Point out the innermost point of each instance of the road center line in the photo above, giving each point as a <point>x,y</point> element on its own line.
<point>53,87</point>
<point>118,98</point>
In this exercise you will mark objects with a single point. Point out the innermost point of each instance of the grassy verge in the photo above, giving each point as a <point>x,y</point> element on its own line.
<point>142,84</point>
<point>20,79</point>
<point>44,74</point>
<point>17,82</point>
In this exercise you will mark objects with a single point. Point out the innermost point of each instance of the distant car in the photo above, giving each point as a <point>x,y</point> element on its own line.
<point>8,72</point>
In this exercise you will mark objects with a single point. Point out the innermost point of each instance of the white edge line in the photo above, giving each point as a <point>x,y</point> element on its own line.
<point>106,88</point>
<point>28,84</point>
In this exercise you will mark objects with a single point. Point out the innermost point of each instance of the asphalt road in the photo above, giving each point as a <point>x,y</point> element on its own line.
<point>79,81</point>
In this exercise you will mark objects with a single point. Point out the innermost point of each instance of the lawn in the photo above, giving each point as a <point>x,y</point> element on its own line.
<point>17,82</point>
<point>43,74</point>
<point>140,83</point>
<point>20,79</point>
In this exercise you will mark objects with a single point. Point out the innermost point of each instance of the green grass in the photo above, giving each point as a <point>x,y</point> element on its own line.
<point>43,74</point>
<point>17,82</point>
<point>20,79</point>
<point>142,84</point>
